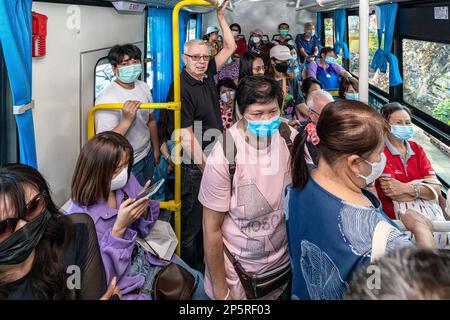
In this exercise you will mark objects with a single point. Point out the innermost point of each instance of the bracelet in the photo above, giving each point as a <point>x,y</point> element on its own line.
<point>416,191</point>
<point>228,295</point>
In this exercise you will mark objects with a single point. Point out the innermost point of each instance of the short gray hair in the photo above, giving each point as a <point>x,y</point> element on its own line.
<point>192,43</point>
<point>409,273</point>
<point>318,96</point>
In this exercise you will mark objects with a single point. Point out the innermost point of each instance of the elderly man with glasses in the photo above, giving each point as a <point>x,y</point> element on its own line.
<point>199,106</point>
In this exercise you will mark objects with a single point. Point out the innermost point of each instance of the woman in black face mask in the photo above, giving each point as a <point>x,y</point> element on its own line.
<point>44,254</point>
<point>293,102</point>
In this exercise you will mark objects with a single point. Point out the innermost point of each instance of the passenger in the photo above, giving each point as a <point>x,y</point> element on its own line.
<point>330,216</point>
<point>317,100</point>
<point>309,85</point>
<point>294,66</point>
<point>227,91</point>
<point>138,126</point>
<point>211,39</point>
<point>255,41</point>
<point>406,161</point>
<point>199,103</point>
<point>243,208</point>
<point>349,89</point>
<point>406,274</point>
<point>104,187</point>
<point>308,44</point>
<point>241,44</point>
<point>326,70</point>
<point>251,65</point>
<point>278,69</point>
<point>283,38</point>
<point>230,69</point>
<point>39,246</point>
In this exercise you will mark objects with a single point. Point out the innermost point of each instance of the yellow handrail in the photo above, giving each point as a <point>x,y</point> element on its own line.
<point>172,205</point>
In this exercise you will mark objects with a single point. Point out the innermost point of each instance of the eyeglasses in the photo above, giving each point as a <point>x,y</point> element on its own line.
<point>316,113</point>
<point>8,226</point>
<point>197,58</point>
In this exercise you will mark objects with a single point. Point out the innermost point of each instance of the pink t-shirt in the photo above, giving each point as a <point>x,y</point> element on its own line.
<point>254,226</point>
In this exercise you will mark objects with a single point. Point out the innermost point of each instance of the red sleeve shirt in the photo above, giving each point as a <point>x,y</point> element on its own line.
<point>415,166</point>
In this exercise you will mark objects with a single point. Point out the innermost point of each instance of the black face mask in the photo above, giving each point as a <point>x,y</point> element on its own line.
<point>281,67</point>
<point>18,247</point>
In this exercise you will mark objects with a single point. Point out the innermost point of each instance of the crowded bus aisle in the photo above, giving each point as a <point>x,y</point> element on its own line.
<point>291,185</point>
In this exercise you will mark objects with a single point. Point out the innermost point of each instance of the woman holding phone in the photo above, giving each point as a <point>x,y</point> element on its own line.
<point>104,187</point>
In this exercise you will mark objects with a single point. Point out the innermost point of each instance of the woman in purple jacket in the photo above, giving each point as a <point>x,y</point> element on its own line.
<point>104,187</point>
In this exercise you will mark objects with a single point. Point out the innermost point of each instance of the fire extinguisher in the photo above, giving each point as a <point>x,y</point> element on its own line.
<point>39,34</point>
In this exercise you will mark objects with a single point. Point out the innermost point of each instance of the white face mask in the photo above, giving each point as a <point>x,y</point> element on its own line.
<point>377,170</point>
<point>120,181</point>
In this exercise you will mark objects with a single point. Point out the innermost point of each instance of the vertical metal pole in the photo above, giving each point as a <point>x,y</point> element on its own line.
<point>364,50</point>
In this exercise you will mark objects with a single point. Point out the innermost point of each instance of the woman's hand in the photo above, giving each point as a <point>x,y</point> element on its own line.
<point>221,9</point>
<point>129,211</point>
<point>420,226</point>
<point>393,188</point>
<point>113,290</point>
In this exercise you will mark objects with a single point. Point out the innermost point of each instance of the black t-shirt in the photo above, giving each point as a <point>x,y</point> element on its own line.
<point>199,102</point>
<point>82,251</point>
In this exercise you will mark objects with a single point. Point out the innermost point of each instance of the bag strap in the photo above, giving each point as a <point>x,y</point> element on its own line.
<point>237,266</point>
<point>285,133</point>
<point>436,197</point>
<point>380,237</point>
<point>230,154</point>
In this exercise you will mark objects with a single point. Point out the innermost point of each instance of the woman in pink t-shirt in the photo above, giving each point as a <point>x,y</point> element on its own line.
<point>243,215</point>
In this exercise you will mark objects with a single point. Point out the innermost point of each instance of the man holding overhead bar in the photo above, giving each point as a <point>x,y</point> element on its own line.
<point>200,111</point>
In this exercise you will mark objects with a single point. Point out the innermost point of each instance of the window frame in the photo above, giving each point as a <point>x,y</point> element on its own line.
<point>432,126</point>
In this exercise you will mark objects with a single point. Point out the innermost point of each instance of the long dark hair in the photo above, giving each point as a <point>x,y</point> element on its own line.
<point>344,128</point>
<point>246,64</point>
<point>95,167</point>
<point>48,275</point>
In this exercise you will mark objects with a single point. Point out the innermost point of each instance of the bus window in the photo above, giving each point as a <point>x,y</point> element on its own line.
<point>329,37</point>
<point>376,78</point>
<point>426,75</point>
<point>103,75</point>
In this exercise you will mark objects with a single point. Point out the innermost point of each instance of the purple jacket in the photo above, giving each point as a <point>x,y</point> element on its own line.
<point>117,252</point>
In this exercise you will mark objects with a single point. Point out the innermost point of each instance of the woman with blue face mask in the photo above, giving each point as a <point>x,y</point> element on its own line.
<point>348,89</point>
<point>236,201</point>
<point>326,70</point>
<point>283,37</point>
<point>331,216</point>
<point>406,161</point>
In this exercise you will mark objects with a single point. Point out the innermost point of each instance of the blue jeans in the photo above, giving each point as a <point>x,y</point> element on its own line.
<point>140,265</point>
<point>143,170</point>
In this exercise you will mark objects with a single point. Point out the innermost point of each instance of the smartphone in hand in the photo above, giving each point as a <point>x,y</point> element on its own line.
<point>151,190</point>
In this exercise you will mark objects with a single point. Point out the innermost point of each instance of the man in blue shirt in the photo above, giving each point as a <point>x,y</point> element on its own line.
<point>307,43</point>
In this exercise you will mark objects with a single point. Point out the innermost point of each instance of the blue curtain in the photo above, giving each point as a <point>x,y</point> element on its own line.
<point>387,16</point>
<point>183,27</point>
<point>198,30</point>
<point>319,27</point>
<point>15,38</point>
<point>340,18</point>
<point>160,29</point>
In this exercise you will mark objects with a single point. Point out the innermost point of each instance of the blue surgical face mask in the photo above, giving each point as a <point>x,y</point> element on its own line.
<point>312,33</point>
<point>402,132</point>
<point>352,96</point>
<point>284,33</point>
<point>294,58</point>
<point>129,73</point>
<point>330,59</point>
<point>264,128</point>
